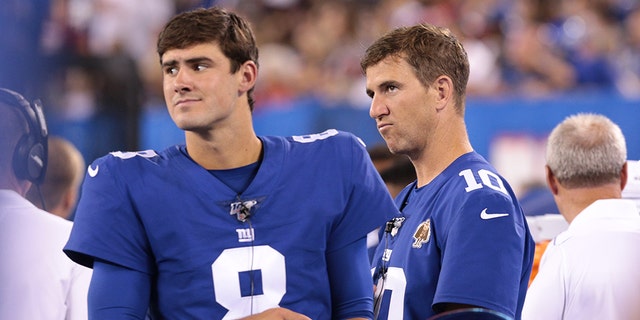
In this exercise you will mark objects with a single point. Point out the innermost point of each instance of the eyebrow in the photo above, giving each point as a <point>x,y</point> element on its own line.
<point>387,83</point>
<point>190,61</point>
<point>383,85</point>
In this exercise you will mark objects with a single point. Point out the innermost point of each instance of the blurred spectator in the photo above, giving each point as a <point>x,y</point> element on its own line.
<point>99,85</point>
<point>61,185</point>
<point>125,26</point>
<point>627,59</point>
<point>533,65</point>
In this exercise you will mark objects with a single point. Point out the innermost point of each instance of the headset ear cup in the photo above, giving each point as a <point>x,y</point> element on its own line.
<point>29,160</point>
<point>21,158</point>
<point>30,154</point>
<point>36,163</point>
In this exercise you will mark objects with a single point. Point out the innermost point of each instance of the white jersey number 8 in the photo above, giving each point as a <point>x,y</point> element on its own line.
<point>226,280</point>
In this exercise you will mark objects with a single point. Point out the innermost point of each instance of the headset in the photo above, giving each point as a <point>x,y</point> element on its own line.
<point>31,152</point>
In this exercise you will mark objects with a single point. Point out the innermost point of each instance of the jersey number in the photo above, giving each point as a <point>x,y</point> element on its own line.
<point>129,154</point>
<point>487,177</point>
<point>316,136</point>
<point>226,280</point>
<point>395,283</point>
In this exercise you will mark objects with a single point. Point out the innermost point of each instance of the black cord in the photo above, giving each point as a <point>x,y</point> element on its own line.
<point>382,271</point>
<point>44,205</point>
<point>251,274</point>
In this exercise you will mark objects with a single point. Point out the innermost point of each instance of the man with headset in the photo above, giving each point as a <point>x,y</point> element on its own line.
<point>38,280</point>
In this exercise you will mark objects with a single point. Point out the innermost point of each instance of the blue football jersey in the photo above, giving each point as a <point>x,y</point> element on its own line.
<point>163,214</point>
<point>462,238</point>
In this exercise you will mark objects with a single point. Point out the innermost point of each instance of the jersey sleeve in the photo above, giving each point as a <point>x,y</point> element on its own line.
<point>369,205</point>
<point>350,281</point>
<point>106,226</point>
<point>111,296</point>
<point>484,253</point>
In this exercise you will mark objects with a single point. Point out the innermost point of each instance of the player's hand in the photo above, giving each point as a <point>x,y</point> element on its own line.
<point>277,314</point>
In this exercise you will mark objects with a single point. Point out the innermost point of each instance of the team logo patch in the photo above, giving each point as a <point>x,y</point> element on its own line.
<point>246,235</point>
<point>422,234</point>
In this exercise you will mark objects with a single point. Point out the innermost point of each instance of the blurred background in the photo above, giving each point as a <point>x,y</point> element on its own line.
<point>533,62</point>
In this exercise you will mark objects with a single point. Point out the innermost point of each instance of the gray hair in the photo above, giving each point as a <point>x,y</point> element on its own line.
<point>586,150</point>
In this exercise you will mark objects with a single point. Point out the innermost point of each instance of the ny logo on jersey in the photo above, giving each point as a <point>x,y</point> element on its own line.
<point>245,235</point>
<point>386,255</point>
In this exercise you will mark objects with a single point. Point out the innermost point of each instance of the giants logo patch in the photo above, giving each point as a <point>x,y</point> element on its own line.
<point>422,234</point>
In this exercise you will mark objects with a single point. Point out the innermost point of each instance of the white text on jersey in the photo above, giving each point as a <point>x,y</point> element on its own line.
<point>245,235</point>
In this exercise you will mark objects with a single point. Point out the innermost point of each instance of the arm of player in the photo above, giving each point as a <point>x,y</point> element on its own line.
<point>351,283</point>
<point>117,292</point>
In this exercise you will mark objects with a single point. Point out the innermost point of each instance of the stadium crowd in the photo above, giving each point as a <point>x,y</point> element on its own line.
<point>97,60</point>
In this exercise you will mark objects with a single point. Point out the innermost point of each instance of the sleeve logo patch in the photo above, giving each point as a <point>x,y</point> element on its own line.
<point>93,172</point>
<point>487,216</point>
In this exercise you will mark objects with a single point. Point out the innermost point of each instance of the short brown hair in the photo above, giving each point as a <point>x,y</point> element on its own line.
<point>432,51</point>
<point>213,25</point>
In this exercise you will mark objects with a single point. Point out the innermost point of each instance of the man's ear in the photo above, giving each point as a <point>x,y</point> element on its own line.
<point>444,88</point>
<point>624,175</point>
<point>551,180</point>
<point>249,73</point>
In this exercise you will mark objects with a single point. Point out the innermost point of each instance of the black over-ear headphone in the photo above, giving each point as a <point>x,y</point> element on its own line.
<point>30,155</point>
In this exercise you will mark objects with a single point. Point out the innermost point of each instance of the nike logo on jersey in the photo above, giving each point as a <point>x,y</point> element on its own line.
<point>487,216</point>
<point>93,172</point>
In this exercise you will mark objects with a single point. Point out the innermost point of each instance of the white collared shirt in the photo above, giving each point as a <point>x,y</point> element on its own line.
<point>591,270</point>
<point>37,280</point>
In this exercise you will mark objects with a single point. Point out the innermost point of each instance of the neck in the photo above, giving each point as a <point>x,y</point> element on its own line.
<point>573,201</point>
<point>8,181</point>
<point>224,151</point>
<point>446,146</point>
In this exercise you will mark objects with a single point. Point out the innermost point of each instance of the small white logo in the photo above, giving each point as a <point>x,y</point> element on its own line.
<point>245,235</point>
<point>386,256</point>
<point>486,216</point>
<point>37,159</point>
<point>93,172</point>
